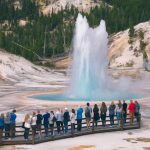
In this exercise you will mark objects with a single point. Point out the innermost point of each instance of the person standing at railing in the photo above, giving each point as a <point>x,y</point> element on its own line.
<point>66,119</point>
<point>124,111</point>
<point>1,125</point>
<point>59,119</point>
<point>112,108</point>
<point>33,123</point>
<point>103,110</point>
<point>96,115</point>
<point>137,110</point>
<point>7,125</point>
<point>13,117</point>
<point>79,118</point>
<point>119,112</point>
<point>88,115</point>
<point>62,121</point>
<point>39,123</point>
<point>27,126</point>
<point>52,121</point>
<point>131,109</point>
<point>72,119</point>
<point>46,117</point>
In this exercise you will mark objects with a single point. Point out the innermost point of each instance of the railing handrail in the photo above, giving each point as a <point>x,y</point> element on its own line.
<point>21,130</point>
<point>69,125</point>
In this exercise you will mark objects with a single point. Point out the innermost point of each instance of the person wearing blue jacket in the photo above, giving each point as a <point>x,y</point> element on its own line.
<point>46,117</point>
<point>66,119</point>
<point>2,121</point>
<point>13,117</point>
<point>1,125</point>
<point>79,118</point>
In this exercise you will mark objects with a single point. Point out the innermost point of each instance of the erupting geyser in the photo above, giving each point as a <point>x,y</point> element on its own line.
<point>89,79</point>
<point>88,73</point>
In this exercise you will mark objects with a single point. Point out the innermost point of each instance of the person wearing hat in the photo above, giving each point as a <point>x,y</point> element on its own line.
<point>58,120</point>
<point>66,119</point>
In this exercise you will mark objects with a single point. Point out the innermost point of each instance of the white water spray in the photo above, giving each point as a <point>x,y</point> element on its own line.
<point>89,78</point>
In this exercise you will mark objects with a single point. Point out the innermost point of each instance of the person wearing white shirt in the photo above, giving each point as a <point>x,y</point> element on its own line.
<point>33,123</point>
<point>72,119</point>
<point>59,119</point>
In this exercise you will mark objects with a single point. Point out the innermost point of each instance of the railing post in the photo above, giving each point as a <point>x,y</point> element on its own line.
<point>139,119</point>
<point>121,122</point>
<point>93,124</point>
<point>33,137</point>
<point>1,135</point>
<point>72,129</point>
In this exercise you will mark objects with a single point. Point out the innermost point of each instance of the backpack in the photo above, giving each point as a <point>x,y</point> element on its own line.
<point>87,112</point>
<point>23,123</point>
<point>54,119</point>
<point>68,117</point>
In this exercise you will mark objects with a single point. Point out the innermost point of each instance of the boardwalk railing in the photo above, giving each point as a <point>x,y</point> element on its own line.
<point>19,137</point>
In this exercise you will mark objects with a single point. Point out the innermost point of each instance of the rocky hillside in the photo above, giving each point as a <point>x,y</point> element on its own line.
<point>122,52</point>
<point>20,71</point>
<point>125,51</point>
<point>56,5</point>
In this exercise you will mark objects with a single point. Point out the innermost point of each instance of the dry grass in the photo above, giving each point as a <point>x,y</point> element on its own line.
<point>141,139</point>
<point>81,147</point>
<point>129,139</point>
<point>130,133</point>
<point>146,148</point>
<point>7,147</point>
<point>136,140</point>
<point>64,63</point>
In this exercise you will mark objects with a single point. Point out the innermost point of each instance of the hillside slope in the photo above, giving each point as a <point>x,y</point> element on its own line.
<point>82,5</point>
<point>123,54</point>
<point>20,71</point>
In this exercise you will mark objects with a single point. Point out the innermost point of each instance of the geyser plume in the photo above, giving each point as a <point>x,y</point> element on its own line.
<point>89,58</point>
<point>89,78</point>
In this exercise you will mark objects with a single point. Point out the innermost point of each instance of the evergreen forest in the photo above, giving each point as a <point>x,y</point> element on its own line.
<point>46,36</point>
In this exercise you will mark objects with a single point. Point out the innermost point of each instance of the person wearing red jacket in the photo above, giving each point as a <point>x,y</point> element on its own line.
<point>131,109</point>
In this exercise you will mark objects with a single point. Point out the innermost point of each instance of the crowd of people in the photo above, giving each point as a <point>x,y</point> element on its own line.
<point>61,119</point>
<point>8,122</point>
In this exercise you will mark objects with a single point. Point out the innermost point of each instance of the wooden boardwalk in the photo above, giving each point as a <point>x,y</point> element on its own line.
<point>19,139</point>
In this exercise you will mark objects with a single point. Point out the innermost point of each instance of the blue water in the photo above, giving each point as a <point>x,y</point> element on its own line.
<point>63,97</point>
